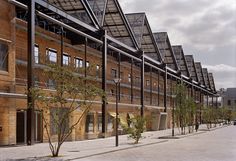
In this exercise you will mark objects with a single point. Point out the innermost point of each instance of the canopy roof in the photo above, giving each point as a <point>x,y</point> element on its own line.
<point>143,35</point>
<point>165,49</point>
<point>179,54</point>
<point>117,25</point>
<point>78,9</point>
<point>212,83</point>
<point>191,67</point>
<point>200,73</point>
<point>206,78</point>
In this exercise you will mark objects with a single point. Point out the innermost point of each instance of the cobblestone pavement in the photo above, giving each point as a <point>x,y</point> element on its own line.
<point>214,145</point>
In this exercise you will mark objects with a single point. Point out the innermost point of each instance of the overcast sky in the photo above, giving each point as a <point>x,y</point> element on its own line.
<point>205,28</point>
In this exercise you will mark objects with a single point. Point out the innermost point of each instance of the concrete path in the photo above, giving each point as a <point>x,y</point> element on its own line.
<point>215,144</point>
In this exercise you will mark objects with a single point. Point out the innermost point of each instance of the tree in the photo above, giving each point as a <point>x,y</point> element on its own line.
<point>185,109</point>
<point>191,112</point>
<point>72,93</point>
<point>207,116</point>
<point>136,128</point>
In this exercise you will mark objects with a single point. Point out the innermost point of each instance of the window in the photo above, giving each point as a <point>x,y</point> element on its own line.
<point>147,83</point>
<point>229,102</point>
<point>99,122</point>
<point>110,120</point>
<point>57,122</point>
<point>112,92</point>
<point>121,75</point>
<point>87,64</point>
<point>137,80</point>
<point>129,77</point>
<point>78,62</point>
<point>36,54</point>
<point>66,59</point>
<point>113,73</point>
<point>51,84</point>
<point>89,123</point>
<point>36,81</point>
<point>97,70</point>
<point>51,56</point>
<point>3,57</point>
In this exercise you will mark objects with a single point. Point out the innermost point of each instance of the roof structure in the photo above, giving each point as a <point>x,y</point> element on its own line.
<point>98,7</point>
<point>212,83</point>
<point>206,78</point>
<point>165,49</point>
<point>200,73</point>
<point>191,67</point>
<point>179,55</point>
<point>117,25</point>
<point>78,9</point>
<point>143,35</point>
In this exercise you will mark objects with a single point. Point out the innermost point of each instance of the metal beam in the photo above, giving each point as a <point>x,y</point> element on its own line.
<point>132,81</point>
<point>104,77</point>
<point>30,84</point>
<point>165,88</point>
<point>66,15</point>
<point>150,85</point>
<point>142,85</point>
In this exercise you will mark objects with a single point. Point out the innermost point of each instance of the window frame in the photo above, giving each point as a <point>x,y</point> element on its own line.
<point>69,58</point>
<point>36,61</point>
<point>5,59</point>
<point>50,51</point>
<point>80,62</point>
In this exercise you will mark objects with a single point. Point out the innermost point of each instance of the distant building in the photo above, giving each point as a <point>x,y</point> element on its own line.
<point>229,98</point>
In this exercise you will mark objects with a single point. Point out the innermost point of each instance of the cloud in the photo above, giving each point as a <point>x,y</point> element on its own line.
<point>205,28</point>
<point>224,75</point>
<point>220,68</point>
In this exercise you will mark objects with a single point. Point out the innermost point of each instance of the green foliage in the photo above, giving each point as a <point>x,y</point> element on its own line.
<point>71,93</point>
<point>185,108</point>
<point>136,128</point>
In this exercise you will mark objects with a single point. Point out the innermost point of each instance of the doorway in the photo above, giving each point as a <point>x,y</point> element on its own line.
<point>21,126</point>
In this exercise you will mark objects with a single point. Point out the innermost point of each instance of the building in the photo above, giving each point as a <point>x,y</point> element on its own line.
<point>81,33</point>
<point>229,98</point>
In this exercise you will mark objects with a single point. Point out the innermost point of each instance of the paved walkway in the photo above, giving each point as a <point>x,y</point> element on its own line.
<point>98,148</point>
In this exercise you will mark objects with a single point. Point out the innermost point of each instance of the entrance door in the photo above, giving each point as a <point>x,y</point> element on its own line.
<point>21,127</point>
<point>163,121</point>
<point>38,126</point>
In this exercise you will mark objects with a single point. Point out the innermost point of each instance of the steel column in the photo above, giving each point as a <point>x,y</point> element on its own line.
<point>119,60</point>
<point>150,85</point>
<point>30,83</point>
<point>85,56</point>
<point>158,95</point>
<point>142,86</point>
<point>132,81</point>
<point>200,107</point>
<point>62,44</point>
<point>104,78</point>
<point>165,88</point>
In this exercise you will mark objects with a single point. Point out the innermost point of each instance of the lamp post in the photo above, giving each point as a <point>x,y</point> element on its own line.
<point>117,81</point>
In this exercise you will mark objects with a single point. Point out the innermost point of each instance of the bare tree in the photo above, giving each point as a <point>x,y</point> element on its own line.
<point>72,93</point>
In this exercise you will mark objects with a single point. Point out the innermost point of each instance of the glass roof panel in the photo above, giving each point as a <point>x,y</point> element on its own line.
<point>143,34</point>
<point>199,72</point>
<point>165,49</point>
<point>191,67</point>
<point>74,8</point>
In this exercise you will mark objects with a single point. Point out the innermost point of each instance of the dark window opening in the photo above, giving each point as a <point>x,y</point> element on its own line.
<point>3,57</point>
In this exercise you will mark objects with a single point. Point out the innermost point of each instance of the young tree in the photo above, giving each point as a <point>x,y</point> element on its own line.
<point>72,93</point>
<point>136,128</point>
<point>185,109</point>
<point>180,111</point>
